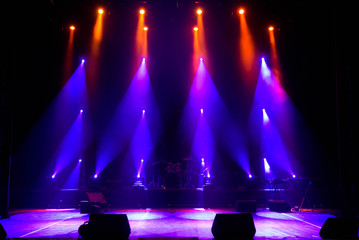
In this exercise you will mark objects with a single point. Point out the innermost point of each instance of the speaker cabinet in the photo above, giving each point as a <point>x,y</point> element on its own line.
<point>340,228</point>
<point>246,206</point>
<point>106,226</point>
<point>233,226</point>
<point>279,206</point>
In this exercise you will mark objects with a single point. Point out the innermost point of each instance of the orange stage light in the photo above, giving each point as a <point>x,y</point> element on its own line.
<point>274,55</point>
<point>100,11</point>
<point>247,51</point>
<point>142,11</point>
<point>195,28</point>
<point>241,11</point>
<point>145,28</point>
<point>199,11</point>
<point>72,27</point>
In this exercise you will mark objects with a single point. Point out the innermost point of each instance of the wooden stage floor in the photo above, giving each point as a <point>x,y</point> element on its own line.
<point>159,223</point>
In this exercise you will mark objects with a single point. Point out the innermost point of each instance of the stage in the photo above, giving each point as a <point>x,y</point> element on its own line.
<point>162,223</point>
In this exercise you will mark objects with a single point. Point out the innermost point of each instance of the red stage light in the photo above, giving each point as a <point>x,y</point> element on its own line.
<point>100,11</point>
<point>241,11</point>
<point>195,28</point>
<point>142,11</point>
<point>72,27</point>
<point>145,28</point>
<point>270,28</point>
<point>199,11</point>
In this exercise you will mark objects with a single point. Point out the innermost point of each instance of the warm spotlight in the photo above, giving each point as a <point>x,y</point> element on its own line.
<point>145,28</point>
<point>241,11</point>
<point>270,28</point>
<point>142,11</point>
<point>201,59</point>
<point>72,27</point>
<point>199,11</point>
<point>195,28</point>
<point>100,11</point>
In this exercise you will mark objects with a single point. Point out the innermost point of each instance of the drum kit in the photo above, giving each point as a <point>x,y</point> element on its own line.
<point>176,174</point>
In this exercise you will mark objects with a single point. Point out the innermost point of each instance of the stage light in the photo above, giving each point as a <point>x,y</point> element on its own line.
<point>81,110</point>
<point>53,176</point>
<point>142,11</point>
<point>95,176</point>
<point>250,176</point>
<point>294,176</point>
<point>263,60</point>
<point>142,160</point>
<point>82,61</point>
<point>201,110</point>
<point>100,11</point>
<point>201,59</point>
<point>145,28</point>
<point>143,112</point>
<point>241,11</point>
<point>265,116</point>
<point>72,27</point>
<point>199,11</point>
<point>138,176</point>
<point>80,160</point>
<point>266,166</point>
<point>202,159</point>
<point>208,175</point>
<point>271,28</point>
<point>195,28</point>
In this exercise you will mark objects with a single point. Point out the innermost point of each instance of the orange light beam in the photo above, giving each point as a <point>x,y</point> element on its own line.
<point>274,54</point>
<point>201,35</point>
<point>94,52</point>
<point>141,36</point>
<point>69,55</point>
<point>196,51</point>
<point>97,33</point>
<point>246,48</point>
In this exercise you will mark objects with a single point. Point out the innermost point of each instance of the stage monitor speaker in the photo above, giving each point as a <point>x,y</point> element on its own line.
<point>340,228</point>
<point>233,226</point>
<point>106,226</point>
<point>246,205</point>
<point>279,206</point>
<point>3,233</point>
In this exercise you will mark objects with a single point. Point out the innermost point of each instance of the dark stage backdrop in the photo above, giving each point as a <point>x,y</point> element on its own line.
<point>307,42</point>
